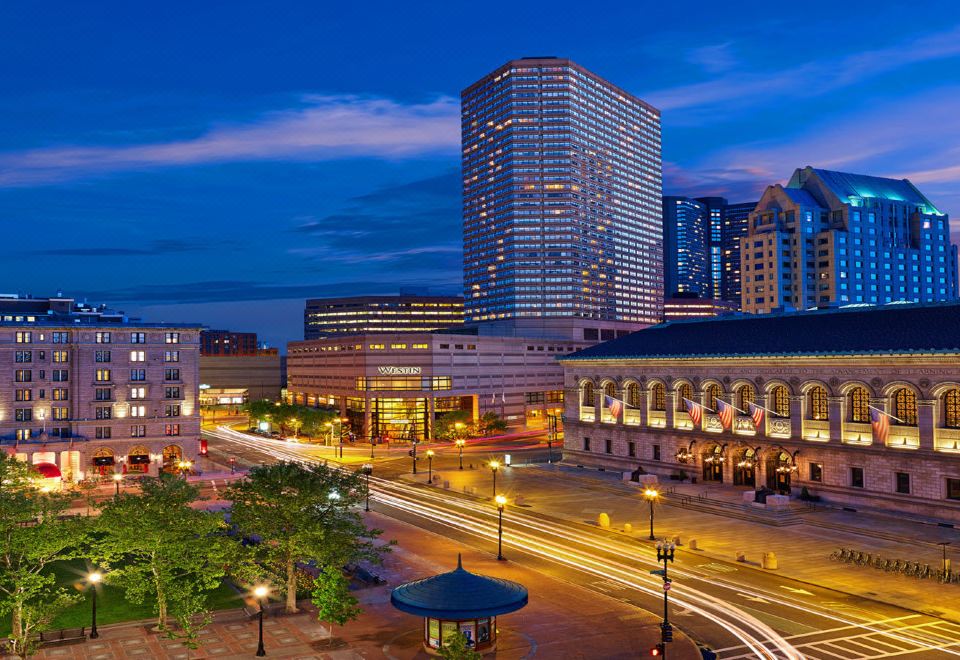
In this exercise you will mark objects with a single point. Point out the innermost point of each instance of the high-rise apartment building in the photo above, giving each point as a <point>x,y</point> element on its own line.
<point>561,196</point>
<point>332,317</point>
<point>227,342</point>
<point>91,392</point>
<point>701,238</point>
<point>687,245</point>
<point>833,238</point>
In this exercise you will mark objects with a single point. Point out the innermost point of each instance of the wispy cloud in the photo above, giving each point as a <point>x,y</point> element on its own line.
<point>715,58</point>
<point>327,127</point>
<point>806,80</point>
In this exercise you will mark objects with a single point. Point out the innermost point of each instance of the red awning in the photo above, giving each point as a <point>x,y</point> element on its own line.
<point>48,470</point>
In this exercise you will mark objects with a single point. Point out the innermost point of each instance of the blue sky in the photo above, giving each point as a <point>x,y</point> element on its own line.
<point>220,161</point>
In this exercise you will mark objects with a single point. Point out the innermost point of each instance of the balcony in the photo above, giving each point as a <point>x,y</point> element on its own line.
<point>857,433</point>
<point>631,417</point>
<point>588,414</point>
<point>682,421</point>
<point>657,419</point>
<point>947,440</point>
<point>743,425</point>
<point>903,437</point>
<point>816,430</point>
<point>779,427</point>
<point>711,423</point>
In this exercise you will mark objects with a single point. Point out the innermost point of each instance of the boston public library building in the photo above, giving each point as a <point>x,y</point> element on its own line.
<point>859,405</point>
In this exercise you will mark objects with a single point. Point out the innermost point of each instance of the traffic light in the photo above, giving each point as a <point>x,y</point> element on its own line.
<point>657,651</point>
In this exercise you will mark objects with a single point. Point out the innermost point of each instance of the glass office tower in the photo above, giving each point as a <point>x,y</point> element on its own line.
<point>561,195</point>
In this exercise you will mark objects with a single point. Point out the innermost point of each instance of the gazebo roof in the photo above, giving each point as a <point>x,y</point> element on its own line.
<point>459,595</point>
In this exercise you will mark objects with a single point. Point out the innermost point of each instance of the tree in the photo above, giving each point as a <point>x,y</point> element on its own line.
<point>331,595</point>
<point>301,515</point>
<point>490,424</point>
<point>446,428</point>
<point>33,536</point>
<point>457,648</point>
<point>153,543</point>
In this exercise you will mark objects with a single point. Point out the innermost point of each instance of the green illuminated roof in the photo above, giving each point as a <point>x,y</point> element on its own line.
<point>855,187</point>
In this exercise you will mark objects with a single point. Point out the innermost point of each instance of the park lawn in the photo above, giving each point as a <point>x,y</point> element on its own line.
<point>111,606</point>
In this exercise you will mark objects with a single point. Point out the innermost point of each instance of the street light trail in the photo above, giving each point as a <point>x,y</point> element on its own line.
<point>411,498</point>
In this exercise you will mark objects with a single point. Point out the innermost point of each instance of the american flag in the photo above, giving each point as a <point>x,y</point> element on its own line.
<point>880,421</point>
<point>756,414</point>
<point>725,412</point>
<point>613,405</point>
<point>695,411</point>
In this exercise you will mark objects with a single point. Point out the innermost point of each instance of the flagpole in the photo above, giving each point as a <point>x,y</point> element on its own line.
<point>742,412</point>
<point>701,405</point>
<point>884,412</point>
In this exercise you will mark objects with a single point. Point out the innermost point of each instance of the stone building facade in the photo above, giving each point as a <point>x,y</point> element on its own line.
<point>88,394</point>
<point>818,377</point>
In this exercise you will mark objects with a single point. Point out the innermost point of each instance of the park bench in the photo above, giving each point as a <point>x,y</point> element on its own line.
<point>64,636</point>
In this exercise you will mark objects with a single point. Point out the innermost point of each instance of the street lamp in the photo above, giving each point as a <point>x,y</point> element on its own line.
<point>117,478</point>
<point>367,469</point>
<point>430,466</point>
<point>260,593</point>
<point>651,494</point>
<point>944,545</point>
<point>494,466</point>
<point>184,467</point>
<point>665,552</point>
<point>500,500</point>
<point>413,453</point>
<point>460,442</point>
<point>94,579</point>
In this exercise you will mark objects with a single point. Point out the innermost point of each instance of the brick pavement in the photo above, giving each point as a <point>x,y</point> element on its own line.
<point>562,620</point>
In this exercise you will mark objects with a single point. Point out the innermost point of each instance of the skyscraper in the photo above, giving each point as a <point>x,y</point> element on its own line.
<point>833,238</point>
<point>701,238</point>
<point>561,196</point>
<point>687,264</point>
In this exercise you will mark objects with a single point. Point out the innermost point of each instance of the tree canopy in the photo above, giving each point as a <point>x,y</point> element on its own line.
<point>302,516</point>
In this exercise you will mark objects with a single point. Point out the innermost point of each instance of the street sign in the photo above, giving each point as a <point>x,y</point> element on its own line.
<point>666,586</point>
<point>659,571</point>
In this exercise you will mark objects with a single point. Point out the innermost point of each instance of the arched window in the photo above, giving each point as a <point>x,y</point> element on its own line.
<point>714,392</point>
<point>587,398</point>
<point>745,396</point>
<point>610,390</point>
<point>905,406</point>
<point>951,409</point>
<point>860,405</point>
<point>817,402</point>
<point>633,395</point>
<point>780,398</point>
<point>658,397</point>
<point>684,392</point>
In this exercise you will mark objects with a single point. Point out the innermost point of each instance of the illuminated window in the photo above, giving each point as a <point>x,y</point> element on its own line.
<point>137,356</point>
<point>103,375</point>
<point>138,392</point>
<point>59,356</point>
<point>421,346</point>
<point>376,347</point>
<point>633,395</point>
<point>860,405</point>
<point>398,346</point>
<point>658,397</point>
<point>713,393</point>
<point>905,406</point>
<point>588,398</point>
<point>818,408</point>
<point>951,409</point>
<point>745,396</point>
<point>685,391</point>
<point>781,401</point>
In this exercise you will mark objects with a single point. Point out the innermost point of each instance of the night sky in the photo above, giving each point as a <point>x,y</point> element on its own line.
<point>219,162</point>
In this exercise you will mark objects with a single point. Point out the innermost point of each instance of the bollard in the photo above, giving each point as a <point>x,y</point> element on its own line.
<point>676,540</point>
<point>693,544</point>
<point>520,501</point>
<point>446,485</point>
<point>769,561</point>
<point>603,520</point>
<point>628,528</point>
<point>741,556</point>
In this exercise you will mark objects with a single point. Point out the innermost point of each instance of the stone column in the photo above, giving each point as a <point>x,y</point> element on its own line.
<point>367,419</point>
<point>643,407</point>
<point>669,414</point>
<point>428,422</point>
<point>598,404</point>
<point>762,401</point>
<point>796,417</point>
<point>926,423</point>
<point>835,410</point>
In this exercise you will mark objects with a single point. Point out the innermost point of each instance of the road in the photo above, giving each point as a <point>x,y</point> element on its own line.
<point>739,614</point>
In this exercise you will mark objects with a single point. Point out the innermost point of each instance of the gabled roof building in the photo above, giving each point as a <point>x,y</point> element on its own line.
<point>829,239</point>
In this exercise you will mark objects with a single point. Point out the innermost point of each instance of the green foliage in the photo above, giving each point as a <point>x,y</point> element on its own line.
<point>291,419</point>
<point>155,545</point>
<point>445,427</point>
<point>456,648</point>
<point>33,537</point>
<point>491,424</point>
<point>332,597</point>
<point>302,514</point>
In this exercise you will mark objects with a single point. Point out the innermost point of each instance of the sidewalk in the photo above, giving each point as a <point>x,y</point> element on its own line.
<point>802,550</point>
<point>562,620</point>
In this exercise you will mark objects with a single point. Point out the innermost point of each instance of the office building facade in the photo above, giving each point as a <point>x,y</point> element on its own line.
<point>818,377</point>
<point>833,238</point>
<point>334,317</point>
<point>684,307</point>
<point>226,342</point>
<point>687,245</point>
<point>561,196</point>
<point>736,221</point>
<point>89,392</point>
